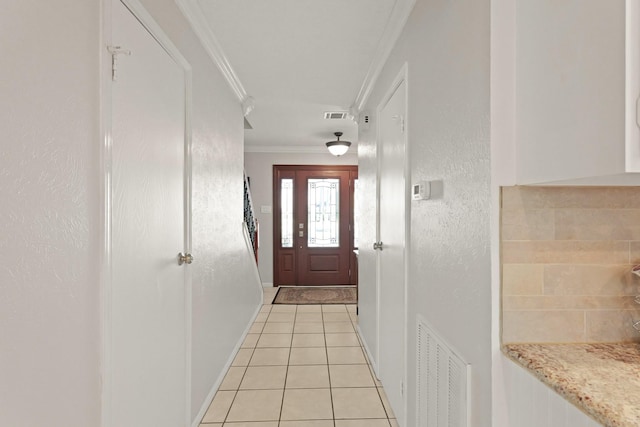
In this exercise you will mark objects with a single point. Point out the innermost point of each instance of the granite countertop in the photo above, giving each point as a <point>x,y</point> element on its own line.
<point>601,379</point>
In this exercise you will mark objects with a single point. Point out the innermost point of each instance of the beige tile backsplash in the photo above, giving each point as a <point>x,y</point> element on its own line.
<point>567,253</point>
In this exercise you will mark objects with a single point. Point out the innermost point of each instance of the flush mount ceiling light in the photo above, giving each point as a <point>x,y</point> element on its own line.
<point>337,147</point>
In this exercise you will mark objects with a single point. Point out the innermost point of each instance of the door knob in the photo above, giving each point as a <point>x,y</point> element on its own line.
<point>184,258</point>
<point>377,246</point>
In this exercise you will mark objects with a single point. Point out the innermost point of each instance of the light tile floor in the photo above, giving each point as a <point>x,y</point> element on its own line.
<point>301,366</point>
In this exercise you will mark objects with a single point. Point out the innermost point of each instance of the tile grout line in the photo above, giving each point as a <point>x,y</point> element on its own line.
<point>286,374</point>
<point>326,352</point>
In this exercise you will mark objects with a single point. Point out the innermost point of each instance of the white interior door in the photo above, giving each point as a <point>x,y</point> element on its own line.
<point>148,358</point>
<point>392,235</point>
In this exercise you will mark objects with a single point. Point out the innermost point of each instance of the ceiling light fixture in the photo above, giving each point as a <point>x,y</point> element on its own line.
<point>337,147</point>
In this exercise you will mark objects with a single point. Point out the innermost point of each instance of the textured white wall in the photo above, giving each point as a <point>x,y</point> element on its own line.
<point>49,214</point>
<point>259,167</point>
<point>50,249</point>
<point>446,45</point>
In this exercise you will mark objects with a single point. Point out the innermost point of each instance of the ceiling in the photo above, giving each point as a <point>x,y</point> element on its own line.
<point>293,60</point>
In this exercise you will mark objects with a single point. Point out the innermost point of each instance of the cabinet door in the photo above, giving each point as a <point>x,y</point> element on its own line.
<point>570,89</point>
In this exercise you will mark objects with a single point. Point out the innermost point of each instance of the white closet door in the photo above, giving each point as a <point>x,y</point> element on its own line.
<point>148,375</point>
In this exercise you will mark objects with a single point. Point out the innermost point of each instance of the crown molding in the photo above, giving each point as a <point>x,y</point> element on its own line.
<point>399,16</point>
<point>194,14</point>
<point>293,149</point>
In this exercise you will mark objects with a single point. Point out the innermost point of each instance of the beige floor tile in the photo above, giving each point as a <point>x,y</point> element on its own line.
<point>336,317</point>
<point>274,340</point>
<point>342,340</point>
<point>385,403</point>
<point>278,328</point>
<point>250,341</point>
<point>307,404</point>
<point>308,356</point>
<point>394,423</point>
<point>256,328</point>
<point>284,308</point>
<point>341,327</point>
<point>308,340</point>
<point>345,355</point>
<point>270,357</point>
<point>281,317</point>
<point>357,403</point>
<point>363,423</point>
<point>232,379</point>
<point>353,317</point>
<point>314,423</point>
<point>309,317</point>
<point>213,425</point>
<point>265,309</point>
<point>256,405</point>
<point>264,377</point>
<point>242,357</point>
<point>350,376</point>
<point>334,308</point>
<point>307,376</point>
<point>352,308</point>
<point>311,308</point>
<point>309,328</point>
<point>261,317</point>
<point>219,407</point>
<point>251,424</point>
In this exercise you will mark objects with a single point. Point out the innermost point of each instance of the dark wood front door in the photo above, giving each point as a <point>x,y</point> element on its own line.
<point>313,225</point>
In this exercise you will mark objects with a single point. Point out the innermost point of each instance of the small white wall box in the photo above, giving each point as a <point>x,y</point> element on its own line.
<point>421,190</point>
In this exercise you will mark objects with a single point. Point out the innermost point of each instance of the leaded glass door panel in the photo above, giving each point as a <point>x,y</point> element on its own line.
<point>313,225</point>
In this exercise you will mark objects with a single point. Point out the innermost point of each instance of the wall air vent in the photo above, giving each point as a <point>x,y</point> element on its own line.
<point>336,114</point>
<point>443,382</point>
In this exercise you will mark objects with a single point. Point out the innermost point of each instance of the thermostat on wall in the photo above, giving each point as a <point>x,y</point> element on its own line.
<point>421,190</point>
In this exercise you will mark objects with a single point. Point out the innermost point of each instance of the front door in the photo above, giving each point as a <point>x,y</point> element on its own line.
<point>146,352</point>
<point>313,225</point>
<point>392,236</point>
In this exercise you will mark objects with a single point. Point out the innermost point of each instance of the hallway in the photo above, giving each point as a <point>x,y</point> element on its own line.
<point>300,366</point>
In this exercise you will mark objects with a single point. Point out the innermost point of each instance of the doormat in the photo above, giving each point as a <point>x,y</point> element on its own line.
<point>316,295</point>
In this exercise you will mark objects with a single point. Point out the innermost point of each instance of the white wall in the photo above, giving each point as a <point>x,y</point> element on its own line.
<point>50,217</point>
<point>446,45</point>
<point>49,214</point>
<point>259,167</point>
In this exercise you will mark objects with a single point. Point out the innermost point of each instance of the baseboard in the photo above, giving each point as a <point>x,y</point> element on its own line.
<point>267,285</point>
<point>374,364</point>
<point>218,382</point>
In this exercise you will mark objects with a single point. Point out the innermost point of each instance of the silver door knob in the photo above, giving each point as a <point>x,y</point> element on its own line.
<point>184,258</point>
<point>377,246</point>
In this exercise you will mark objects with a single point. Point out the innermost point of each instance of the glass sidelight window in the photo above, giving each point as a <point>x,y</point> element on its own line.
<point>286,218</point>
<point>323,199</point>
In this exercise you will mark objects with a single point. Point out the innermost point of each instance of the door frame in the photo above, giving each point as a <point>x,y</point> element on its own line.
<point>402,76</point>
<point>276,211</point>
<point>105,177</point>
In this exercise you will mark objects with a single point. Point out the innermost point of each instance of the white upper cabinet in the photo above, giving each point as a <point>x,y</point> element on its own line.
<point>576,91</point>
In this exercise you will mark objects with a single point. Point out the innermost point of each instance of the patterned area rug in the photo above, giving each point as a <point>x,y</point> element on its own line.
<point>316,295</point>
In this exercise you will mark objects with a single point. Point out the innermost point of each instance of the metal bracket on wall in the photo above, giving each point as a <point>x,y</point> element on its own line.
<point>115,51</point>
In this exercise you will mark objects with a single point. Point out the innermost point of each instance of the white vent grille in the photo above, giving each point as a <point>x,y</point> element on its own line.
<point>442,382</point>
<point>335,114</point>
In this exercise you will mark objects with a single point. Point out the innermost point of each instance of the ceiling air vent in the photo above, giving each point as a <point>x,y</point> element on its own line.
<point>335,114</point>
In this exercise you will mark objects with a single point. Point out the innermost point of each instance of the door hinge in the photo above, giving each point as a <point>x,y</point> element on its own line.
<point>115,51</point>
<point>349,273</point>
